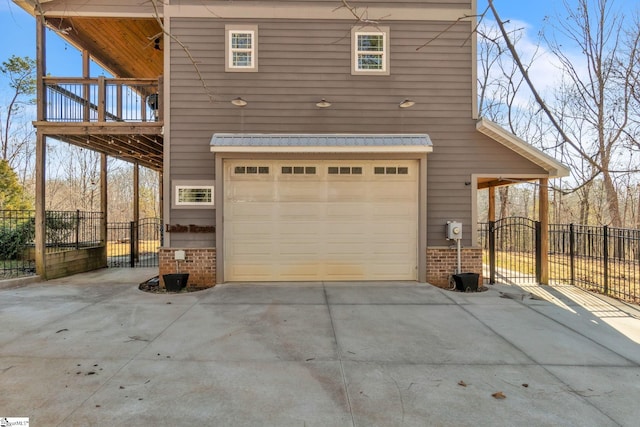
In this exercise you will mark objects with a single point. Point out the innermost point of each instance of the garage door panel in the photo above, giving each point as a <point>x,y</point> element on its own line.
<point>338,270</point>
<point>384,211</point>
<point>392,192</point>
<point>297,251</point>
<point>346,212</point>
<point>247,212</point>
<point>248,272</point>
<point>248,251</point>
<point>323,226</point>
<point>400,231</point>
<point>247,191</point>
<point>250,212</point>
<point>300,212</point>
<point>350,228</point>
<point>355,250</point>
<point>350,195</point>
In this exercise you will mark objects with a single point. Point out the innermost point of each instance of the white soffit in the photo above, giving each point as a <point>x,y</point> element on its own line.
<point>320,143</point>
<point>509,140</point>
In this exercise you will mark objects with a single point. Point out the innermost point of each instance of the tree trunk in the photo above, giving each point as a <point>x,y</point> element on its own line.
<point>613,204</point>
<point>504,202</point>
<point>585,205</point>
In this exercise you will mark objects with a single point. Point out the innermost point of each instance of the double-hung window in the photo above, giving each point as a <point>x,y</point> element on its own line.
<point>241,48</point>
<point>370,48</point>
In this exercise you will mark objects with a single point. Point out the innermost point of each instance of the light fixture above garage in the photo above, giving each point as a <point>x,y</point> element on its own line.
<point>407,103</point>
<point>239,102</point>
<point>323,103</point>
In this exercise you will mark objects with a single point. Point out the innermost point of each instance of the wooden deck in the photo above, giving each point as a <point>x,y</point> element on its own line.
<point>119,117</point>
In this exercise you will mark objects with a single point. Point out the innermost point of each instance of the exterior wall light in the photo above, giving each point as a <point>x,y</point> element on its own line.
<point>323,103</point>
<point>239,102</point>
<point>407,103</point>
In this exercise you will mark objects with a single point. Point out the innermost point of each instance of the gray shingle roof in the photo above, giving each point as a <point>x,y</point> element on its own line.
<point>319,140</point>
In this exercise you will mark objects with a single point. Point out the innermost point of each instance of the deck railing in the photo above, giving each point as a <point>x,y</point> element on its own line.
<point>102,100</point>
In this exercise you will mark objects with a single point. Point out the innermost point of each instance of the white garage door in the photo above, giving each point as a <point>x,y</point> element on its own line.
<point>322,220</point>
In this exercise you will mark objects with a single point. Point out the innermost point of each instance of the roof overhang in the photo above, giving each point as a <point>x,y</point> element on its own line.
<point>554,168</point>
<point>320,143</point>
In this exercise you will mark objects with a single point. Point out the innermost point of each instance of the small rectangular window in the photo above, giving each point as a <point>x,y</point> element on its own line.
<point>345,170</point>
<point>403,171</point>
<point>370,48</point>
<point>287,170</point>
<point>252,169</point>
<point>391,171</point>
<point>298,170</point>
<point>378,170</point>
<point>187,195</point>
<point>333,170</point>
<point>356,170</point>
<point>241,48</point>
<point>310,170</point>
<point>264,170</point>
<point>240,170</point>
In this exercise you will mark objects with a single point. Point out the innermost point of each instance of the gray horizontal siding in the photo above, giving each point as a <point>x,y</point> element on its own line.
<point>302,62</point>
<point>197,217</point>
<point>457,155</point>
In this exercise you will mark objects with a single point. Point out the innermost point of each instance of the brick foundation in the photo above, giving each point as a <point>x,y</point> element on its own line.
<point>199,263</point>
<point>443,262</point>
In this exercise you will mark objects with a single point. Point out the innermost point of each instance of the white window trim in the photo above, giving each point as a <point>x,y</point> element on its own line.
<point>176,203</point>
<point>233,29</point>
<point>355,32</point>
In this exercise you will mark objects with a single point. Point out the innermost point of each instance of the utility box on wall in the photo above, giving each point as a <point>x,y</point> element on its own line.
<point>454,230</point>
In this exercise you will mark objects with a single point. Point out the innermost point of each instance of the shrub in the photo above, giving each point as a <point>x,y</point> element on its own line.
<point>14,239</point>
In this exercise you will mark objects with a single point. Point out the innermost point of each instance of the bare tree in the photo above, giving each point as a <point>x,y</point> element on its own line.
<point>599,97</point>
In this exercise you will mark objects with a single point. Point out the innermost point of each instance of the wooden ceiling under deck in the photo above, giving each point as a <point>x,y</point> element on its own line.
<point>140,143</point>
<point>126,47</point>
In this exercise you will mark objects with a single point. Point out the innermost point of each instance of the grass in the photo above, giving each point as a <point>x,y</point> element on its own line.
<point>124,248</point>
<point>623,276</point>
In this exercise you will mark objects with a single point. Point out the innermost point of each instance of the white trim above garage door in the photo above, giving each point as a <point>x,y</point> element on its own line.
<point>325,220</point>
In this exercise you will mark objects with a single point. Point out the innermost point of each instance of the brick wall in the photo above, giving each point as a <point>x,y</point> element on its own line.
<point>443,262</point>
<point>199,263</point>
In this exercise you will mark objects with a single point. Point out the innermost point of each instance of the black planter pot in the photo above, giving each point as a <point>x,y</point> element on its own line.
<point>466,282</point>
<point>175,282</point>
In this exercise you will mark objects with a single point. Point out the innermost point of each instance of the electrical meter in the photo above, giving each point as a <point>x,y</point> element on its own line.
<point>454,230</point>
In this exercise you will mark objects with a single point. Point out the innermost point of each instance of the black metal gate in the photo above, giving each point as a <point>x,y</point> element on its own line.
<point>514,250</point>
<point>131,244</point>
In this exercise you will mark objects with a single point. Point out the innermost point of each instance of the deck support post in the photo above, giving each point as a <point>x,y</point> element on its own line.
<point>41,150</point>
<point>543,217</point>
<point>136,209</point>
<point>104,204</point>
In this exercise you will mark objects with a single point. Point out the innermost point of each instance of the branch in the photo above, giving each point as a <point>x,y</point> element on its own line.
<point>537,96</point>
<point>453,24</point>
<point>360,17</point>
<point>156,14</point>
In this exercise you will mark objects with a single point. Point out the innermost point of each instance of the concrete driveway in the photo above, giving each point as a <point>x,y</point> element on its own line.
<point>94,350</point>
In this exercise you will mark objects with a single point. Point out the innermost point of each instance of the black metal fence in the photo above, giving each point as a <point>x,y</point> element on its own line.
<point>72,230</point>
<point>131,244</point>
<point>17,254</point>
<point>65,231</point>
<point>602,259</point>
